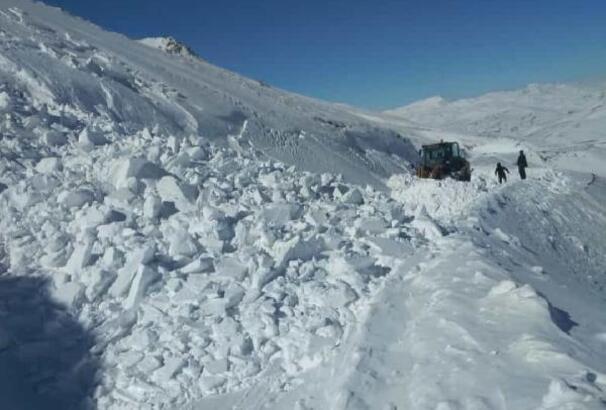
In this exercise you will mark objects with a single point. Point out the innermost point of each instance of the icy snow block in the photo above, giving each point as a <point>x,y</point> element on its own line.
<point>54,138</point>
<point>76,199</point>
<point>91,138</point>
<point>353,197</point>
<point>79,258</point>
<point>49,165</point>
<point>426,225</point>
<point>92,217</point>
<point>280,214</point>
<point>127,273</point>
<point>232,267</point>
<point>200,265</point>
<point>372,225</point>
<point>145,276</point>
<point>342,294</point>
<point>3,187</point>
<point>182,195</point>
<point>152,207</point>
<point>216,366</point>
<point>112,258</point>
<point>69,293</point>
<point>54,259</point>
<point>297,249</point>
<point>209,383</point>
<point>5,101</point>
<point>366,265</point>
<point>181,243</point>
<point>171,367</point>
<point>390,247</point>
<point>198,154</point>
<point>97,282</point>
<point>124,168</point>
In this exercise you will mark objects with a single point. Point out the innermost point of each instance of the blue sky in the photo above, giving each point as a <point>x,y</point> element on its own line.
<point>376,54</point>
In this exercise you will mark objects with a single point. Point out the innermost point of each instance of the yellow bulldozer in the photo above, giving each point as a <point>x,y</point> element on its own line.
<point>443,160</point>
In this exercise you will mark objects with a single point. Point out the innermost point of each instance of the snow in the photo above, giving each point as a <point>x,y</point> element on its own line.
<point>173,235</point>
<point>560,123</point>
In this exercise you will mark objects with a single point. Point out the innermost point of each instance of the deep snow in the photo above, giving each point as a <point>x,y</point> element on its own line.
<point>173,235</point>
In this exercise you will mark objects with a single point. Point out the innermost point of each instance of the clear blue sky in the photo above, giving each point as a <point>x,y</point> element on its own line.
<point>376,54</point>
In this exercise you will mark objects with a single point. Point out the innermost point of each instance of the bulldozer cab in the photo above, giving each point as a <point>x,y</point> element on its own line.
<point>442,160</point>
<point>436,154</point>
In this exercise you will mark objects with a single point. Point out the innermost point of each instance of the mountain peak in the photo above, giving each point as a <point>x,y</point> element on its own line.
<point>169,45</point>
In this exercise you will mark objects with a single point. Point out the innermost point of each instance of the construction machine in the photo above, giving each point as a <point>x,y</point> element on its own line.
<point>442,160</point>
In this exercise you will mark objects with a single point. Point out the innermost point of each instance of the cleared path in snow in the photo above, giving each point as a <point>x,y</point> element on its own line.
<point>464,329</point>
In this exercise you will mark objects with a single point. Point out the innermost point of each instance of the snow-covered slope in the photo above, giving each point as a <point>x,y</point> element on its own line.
<point>153,250</point>
<point>110,82</point>
<point>158,249</point>
<point>565,124</point>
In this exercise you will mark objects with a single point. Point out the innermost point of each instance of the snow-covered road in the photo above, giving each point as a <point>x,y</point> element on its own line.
<point>488,319</point>
<point>173,235</point>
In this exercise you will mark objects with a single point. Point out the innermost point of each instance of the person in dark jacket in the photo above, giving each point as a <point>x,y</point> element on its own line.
<point>501,172</point>
<point>522,165</point>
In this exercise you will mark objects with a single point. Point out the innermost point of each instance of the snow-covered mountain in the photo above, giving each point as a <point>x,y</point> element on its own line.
<point>564,123</point>
<point>173,235</point>
<point>112,81</point>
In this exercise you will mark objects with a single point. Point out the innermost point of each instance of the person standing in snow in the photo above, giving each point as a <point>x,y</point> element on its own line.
<point>501,172</point>
<point>522,165</point>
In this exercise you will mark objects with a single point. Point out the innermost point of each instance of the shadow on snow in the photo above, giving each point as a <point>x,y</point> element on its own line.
<point>45,360</point>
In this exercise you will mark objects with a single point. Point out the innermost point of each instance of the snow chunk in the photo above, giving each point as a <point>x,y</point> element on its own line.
<point>69,293</point>
<point>505,286</point>
<point>216,366</point>
<point>49,165</point>
<point>182,195</point>
<point>97,281</point>
<point>561,396</point>
<point>171,367</point>
<point>297,248</point>
<point>181,243</point>
<point>199,265</point>
<point>353,196</point>
<point>54,138</point>
<point>131,268</point>
<point>373,225</point>
<point>280,214</point>
<point>209,383</point>
<point>89,138</point>
<point>426,225</point>
<point>138,168</point>
<point>145,276</point>
<point>5,101</point>
<point>152,207</point>
<point>232,267</point>
<point>80,257</point>
<point>390,247</point>
<point>76,199</point>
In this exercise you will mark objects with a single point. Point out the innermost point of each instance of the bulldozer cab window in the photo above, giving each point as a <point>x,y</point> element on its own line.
<point>437,154</point>
<point>455,150</point>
